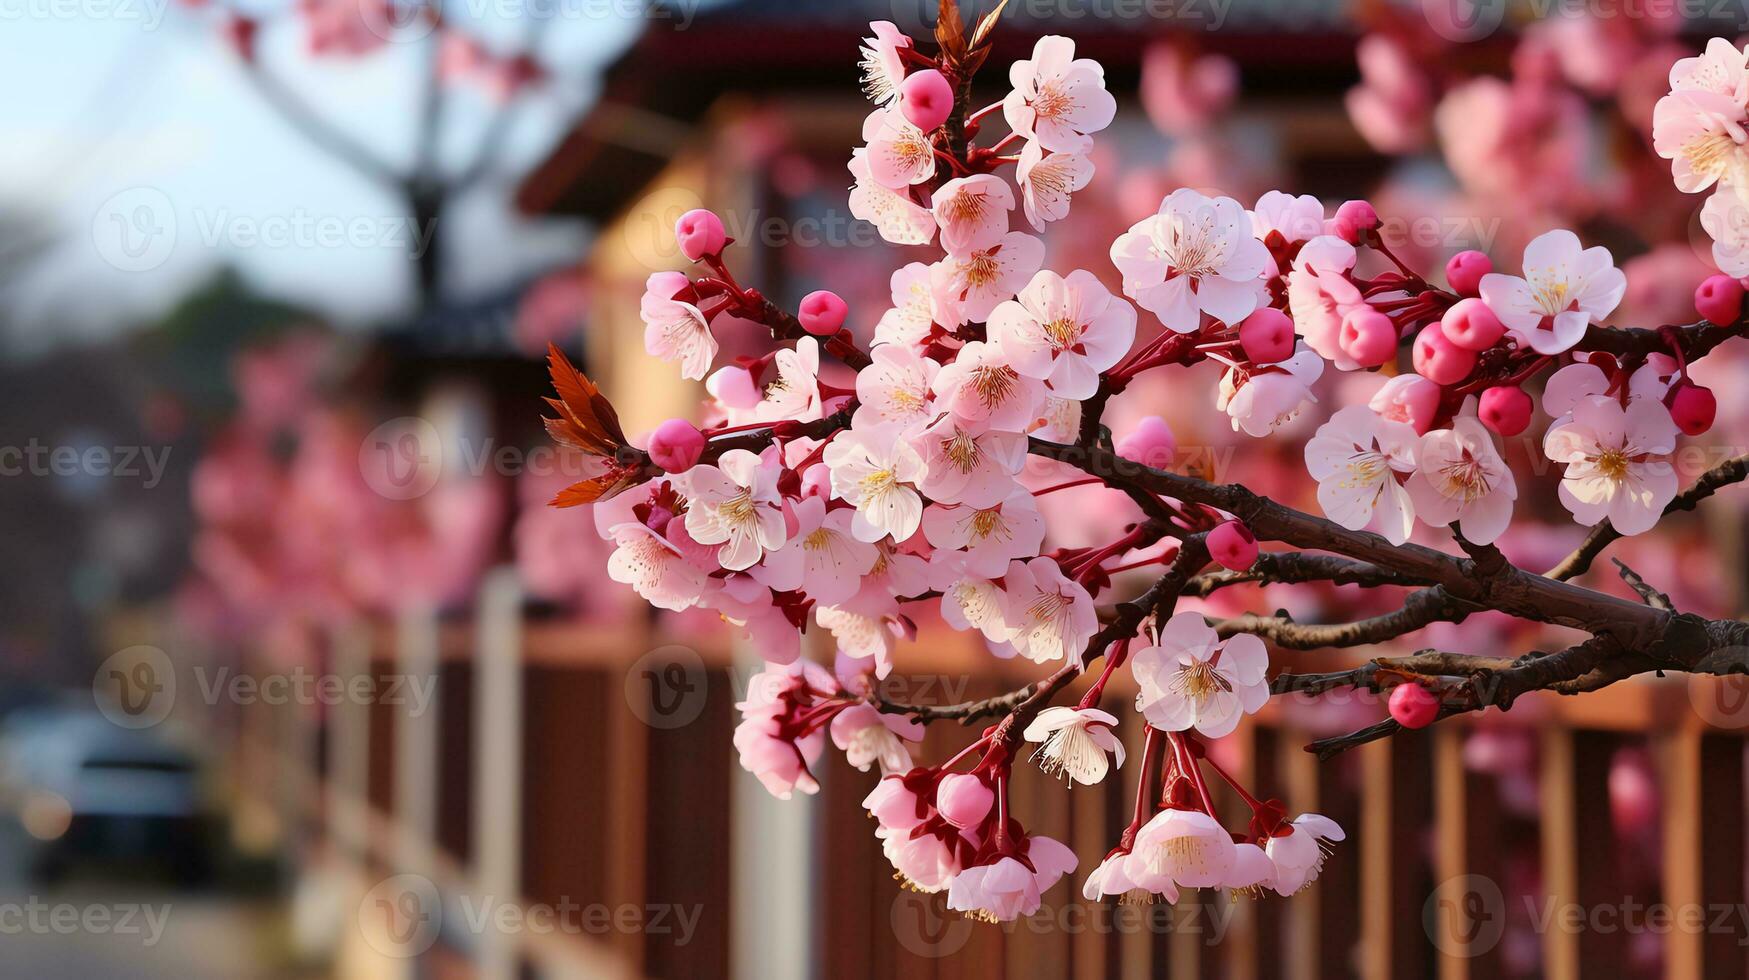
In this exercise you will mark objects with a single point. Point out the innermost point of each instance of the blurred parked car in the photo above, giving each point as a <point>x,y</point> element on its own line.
<point>86,790</point>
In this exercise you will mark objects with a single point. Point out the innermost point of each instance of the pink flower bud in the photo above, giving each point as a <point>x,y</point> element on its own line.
<point>822,313</point>
<point>700,233</point>
<point>1267,336</point>
<point>1368,336</point>
<point>1719,299</point>
<point>926,99</point>
<point>1413,706</point>
<point>1150,443</point>
<point>1439,360</point>
<point>1465,272</point>
<point>1353,218</point>
<point>1505,409</point>
<point>1470,324</point>
<point>676,445</point>
<point>1233,546</point>
<point>963,799</point>
<point>1408,398</point>
<point>1692,407</point>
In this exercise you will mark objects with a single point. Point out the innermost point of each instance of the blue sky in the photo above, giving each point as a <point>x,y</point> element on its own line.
<point>133,98</point>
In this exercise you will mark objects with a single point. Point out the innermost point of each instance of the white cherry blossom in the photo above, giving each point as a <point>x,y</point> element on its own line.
<point>1357,457</point>
<point>875,469</point>
<point>1051,616</point>
<point>1196,256</point>
<point>1190,678</point>
<point>735,504</point>
<point>1064,331</point>
<point>1566,288</point>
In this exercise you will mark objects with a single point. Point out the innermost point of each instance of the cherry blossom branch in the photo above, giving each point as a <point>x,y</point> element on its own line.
<point>1289,567</point>
<point>1420,609</point>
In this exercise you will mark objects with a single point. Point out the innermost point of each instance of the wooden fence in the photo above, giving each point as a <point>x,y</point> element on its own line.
<point>570,806</point>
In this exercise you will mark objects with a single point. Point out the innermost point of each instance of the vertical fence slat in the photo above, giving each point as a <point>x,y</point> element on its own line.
<point>1679,758</point>
<point>498,758</point>
<point>1559,849</point>
<point>1722,872</point>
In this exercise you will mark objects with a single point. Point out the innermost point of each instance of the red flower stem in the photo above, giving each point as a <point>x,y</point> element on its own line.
<point>1119,653</point>
<point>1187,764</point>
<point>1250,801</point>
<point>1066,486</point>
<point>1153,747</point>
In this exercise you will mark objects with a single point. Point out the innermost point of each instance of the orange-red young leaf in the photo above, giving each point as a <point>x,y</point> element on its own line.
<point>586,420</point>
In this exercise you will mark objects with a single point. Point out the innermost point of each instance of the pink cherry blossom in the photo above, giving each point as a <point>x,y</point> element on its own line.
<point>966,288</point>
<point>883,67</point>
<point>990,536</point>
<point>1180,849</point>
<point>899,154</point>
<point>1008,889</point>
<point>1725,217</point>
<point>822,557</point>
<point>1261,399</point>
<point>967,463</point>
<point>1190,678</point>
<point>894,805</point>
<point>735,504</point>
<point>780,760</point>
<point>868,735</point>
<point>875,469</point>
<point>1195,256</point>
<point>1566,288</point>
<point>1075,742</point>
<point>972,212</point>
<point>1618,462</point>
<point>1058,100</point>
<point>1111,878</point>
<point>861,634</point>
<point>675,330</point>
<point>1047,180</point>
<point>922,858</point>
<point>899,219</point>
<point>981,386</point>
<point>795,392</point>
<point>1295,219</point>
<point>1702,134</point>
<point>1064,331</point>
<point>894,387</point>
<point>1297,851</point>
<point>1320,294</point>
<point>1357,457</point>
<point>1462,478</point>
<point>654,568</point>
<point>907,323</point>
<point>968,601</point>
<point>1052,617</point>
